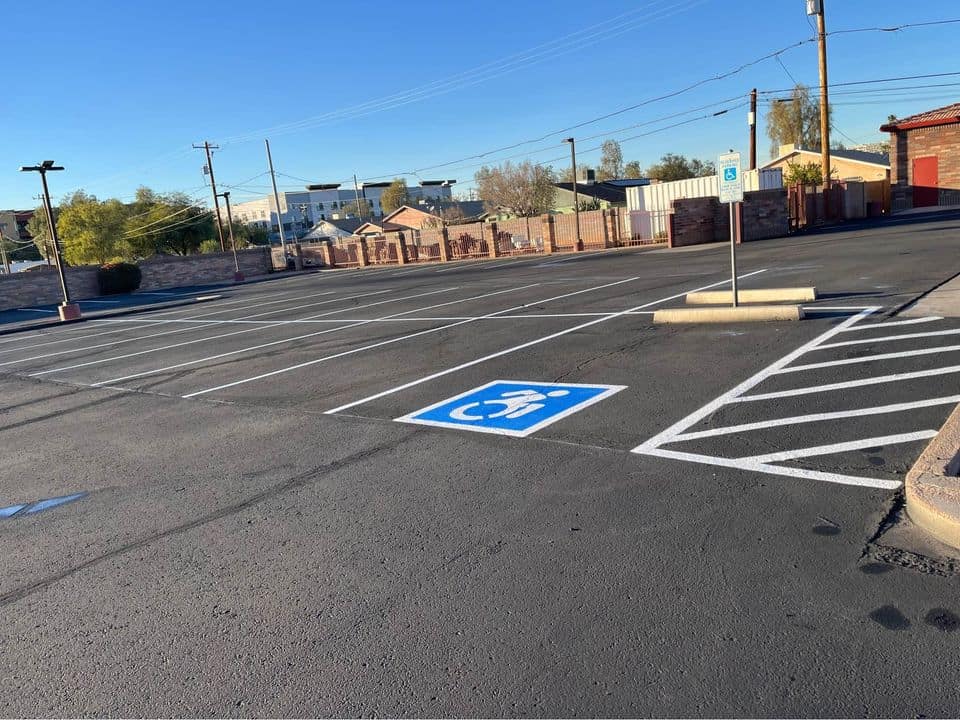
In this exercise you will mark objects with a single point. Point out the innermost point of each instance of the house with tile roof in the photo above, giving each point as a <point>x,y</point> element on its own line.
<point>925,158</point>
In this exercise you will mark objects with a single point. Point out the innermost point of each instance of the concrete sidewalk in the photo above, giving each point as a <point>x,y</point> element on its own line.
<point>943,300</point>
<point>932,485</point>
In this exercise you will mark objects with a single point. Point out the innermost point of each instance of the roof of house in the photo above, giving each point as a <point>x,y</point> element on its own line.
<point>600,191</point>
<point>859,156</point>
<point>349,224</point>
<point>326,229</point>
<point>931,118</point>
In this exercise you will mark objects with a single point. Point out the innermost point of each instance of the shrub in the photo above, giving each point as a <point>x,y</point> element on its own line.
<point>117,278</point>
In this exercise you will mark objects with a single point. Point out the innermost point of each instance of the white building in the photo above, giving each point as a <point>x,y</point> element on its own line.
<point>302,209</point>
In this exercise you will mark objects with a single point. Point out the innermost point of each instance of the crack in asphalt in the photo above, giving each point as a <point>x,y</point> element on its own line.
<point>292,483</point>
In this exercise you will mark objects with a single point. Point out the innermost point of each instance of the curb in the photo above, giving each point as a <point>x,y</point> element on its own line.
<point>763,295</point>
<point>753,313</point>
<point>43,325</point>
<point>933,488</point>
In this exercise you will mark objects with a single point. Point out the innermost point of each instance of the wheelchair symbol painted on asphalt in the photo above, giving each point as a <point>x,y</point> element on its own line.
<point>729,174</point>
<point>511,408</point>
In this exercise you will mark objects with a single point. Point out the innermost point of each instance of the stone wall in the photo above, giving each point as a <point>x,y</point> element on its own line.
<point>694,221</point>
<point>42,287</point>
<point>169,271</point>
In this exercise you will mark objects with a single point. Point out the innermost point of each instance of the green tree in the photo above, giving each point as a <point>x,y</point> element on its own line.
<point>170,224</point>
<point>795,121</point>
<point>810,173</point>
<point>677,167</point>
<point>611,161</point>
<point>395,196</point>
<point>632,170</point>
<point>525,189</point>
<point>365,209</point>
<point>39,230</point>
<point>91,231</point>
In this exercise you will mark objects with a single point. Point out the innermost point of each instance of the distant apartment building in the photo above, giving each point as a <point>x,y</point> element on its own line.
<point>300,210</point>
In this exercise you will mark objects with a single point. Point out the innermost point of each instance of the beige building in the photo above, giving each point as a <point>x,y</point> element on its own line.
<point>844,164</point>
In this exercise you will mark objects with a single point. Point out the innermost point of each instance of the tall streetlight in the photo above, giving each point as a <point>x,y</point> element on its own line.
<point>68,310</point>
<point>237,275</point>
<point>576,202</point>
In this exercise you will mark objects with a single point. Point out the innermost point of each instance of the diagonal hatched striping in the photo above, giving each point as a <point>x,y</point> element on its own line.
<point>680,431</point>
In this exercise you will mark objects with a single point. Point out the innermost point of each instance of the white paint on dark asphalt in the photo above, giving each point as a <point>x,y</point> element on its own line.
<point>680,431</point>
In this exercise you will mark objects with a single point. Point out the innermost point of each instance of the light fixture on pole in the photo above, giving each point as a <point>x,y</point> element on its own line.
<point>578,245</point>
<point>68,310</point>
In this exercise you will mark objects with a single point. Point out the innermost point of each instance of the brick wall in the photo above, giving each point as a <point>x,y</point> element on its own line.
<point>169,271</point>
<point>42,287</point>
<point>695,221</point>
<point>942,142</point>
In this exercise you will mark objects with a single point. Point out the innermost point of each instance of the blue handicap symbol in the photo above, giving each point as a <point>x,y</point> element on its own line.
<point>729,174</point>
<point>511,407</point>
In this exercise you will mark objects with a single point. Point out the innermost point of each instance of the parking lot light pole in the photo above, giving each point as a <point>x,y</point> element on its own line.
<point>576,202</point>
<point>237,275</point>
<point>68,310</point>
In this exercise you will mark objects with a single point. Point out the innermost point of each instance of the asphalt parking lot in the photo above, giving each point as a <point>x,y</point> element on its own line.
<point>288,508</point>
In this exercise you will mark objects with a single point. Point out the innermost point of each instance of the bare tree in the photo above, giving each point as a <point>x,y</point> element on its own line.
<point>525,189</point>
<point>611,161</point>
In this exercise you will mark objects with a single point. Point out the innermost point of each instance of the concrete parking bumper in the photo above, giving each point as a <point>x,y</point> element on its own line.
<point>761,295</point>
<point>933,485</point>
<point>743,313</point>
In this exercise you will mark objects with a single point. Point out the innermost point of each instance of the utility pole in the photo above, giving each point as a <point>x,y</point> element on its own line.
<point>237,275</point>
<point>47,243</point>
<point>3,251</point>
<point>576,203</point>
<point>356,194</point>
<point>276,199</point>
<point>68,310</point>
<point>815,7</point>
<point>752,119</point>
<point>213,184</point>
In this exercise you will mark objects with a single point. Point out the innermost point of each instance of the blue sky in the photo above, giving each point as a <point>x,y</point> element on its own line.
<point>118,92</point>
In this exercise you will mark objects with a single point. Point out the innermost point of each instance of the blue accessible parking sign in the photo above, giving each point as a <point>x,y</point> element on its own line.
<point>509,407</point>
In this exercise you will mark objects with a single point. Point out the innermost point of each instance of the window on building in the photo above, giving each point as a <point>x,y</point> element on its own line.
<point>263,214</point>
<point>288,226</point>
<point>319,206</point>
<point>334,205</point>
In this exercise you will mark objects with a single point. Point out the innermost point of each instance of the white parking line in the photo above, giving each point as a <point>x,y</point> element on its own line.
<point>816,417</point>
<point>205,339</point>
<point>891,338</point>
<point>879,380</point>
<point>880,441</point>
<point>895,323</point>
<point>525,345</point>
<point>173,332</point>
<point>870,358</point>
<point>299,337</point>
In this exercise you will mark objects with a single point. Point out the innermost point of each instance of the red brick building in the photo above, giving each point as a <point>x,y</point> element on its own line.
<point>925,158</point>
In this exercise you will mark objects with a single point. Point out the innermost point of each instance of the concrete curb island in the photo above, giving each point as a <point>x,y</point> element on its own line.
<point>933,486</point>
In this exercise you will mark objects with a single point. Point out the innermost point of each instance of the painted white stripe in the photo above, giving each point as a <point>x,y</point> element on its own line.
<point>816,417</point>
<point>170,332</point>
<point>711,407</point>
<point>445,318</point>
<point>399,339</point>
<point>287,340</point>
<point>842,447</point>
<point>891,338</point>
<point>35,310</point>
<point>775,469</point>
<point>871,358</point>
<point>880,380</point>
<point>206,339</point>
<point>143,323</point>
<point>895,323</point>
<point>525,345</point>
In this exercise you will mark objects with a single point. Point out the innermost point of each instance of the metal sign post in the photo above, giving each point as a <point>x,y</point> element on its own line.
<point>731,192</point>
